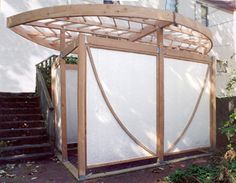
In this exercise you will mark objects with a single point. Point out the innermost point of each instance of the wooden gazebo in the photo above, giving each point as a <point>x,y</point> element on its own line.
<point>143,89</point>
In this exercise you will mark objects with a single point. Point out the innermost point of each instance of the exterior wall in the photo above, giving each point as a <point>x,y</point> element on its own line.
<point>222,26</point>
<point>19,56</point>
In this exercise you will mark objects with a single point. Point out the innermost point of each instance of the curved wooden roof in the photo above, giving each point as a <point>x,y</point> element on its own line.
<point>136,24</point>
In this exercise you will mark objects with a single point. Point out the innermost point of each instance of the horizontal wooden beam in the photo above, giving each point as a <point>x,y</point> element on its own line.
<point>186,56</point>
<point>121,45</point>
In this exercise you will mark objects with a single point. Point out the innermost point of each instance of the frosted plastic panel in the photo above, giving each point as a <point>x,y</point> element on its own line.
<point>57,73</point>
<point>71,106</point>
<point>183,83</point>
<point>129,81</point>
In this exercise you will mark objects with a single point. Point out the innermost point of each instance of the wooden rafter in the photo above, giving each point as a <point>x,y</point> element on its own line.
<point>148,30</point>
<point>114,22</point>
<point>103,25</point>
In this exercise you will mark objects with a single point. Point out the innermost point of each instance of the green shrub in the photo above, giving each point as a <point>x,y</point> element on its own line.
<point>229,130</point>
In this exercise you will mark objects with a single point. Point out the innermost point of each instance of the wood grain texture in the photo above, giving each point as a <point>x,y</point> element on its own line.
<point>63,110</point>
<point>81,103</point>
<point>179,32</point>
<point>160,95</point>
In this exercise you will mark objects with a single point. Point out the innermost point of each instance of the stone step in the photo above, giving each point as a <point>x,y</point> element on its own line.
<point>22,132</point>
<point>25,149</point>
<point>19,104</point>
<point>23,135</point>
<point>25,94</point>
<point>19,117</point>
<point>26,110</point>
<point>21,124</point>
<point>15,141</point>
<point>19,99</point>
<point>25,157</point>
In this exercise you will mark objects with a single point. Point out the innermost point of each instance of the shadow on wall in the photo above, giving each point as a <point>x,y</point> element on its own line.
<point>18,56</point>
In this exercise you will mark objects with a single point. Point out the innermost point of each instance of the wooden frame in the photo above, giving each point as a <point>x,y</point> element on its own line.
<point>210,61</point>
<point>82,158</point>
<point>61,64</point>
<point>103,43</point>
<point>120,45</point>
<point>160,95</point>
<point>154,36</point>
<point>63,110</point>
<point>75,19</point>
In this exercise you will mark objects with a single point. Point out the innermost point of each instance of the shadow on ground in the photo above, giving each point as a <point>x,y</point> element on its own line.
<point>52,171</point>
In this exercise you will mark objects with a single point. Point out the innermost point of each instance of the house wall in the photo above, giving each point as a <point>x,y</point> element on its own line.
<point>19,56</point>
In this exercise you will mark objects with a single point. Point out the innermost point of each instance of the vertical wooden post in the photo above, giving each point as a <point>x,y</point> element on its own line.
<point>63,98</point>
<point>62,39</point>
<point>213,103</point>
<point>160,95</point>
<point>53,80</point>
<point>63,110</point>
<point>82,108</point>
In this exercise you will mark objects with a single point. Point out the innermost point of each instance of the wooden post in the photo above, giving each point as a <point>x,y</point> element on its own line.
<point>63,110</point>
<point>62,40</point>
<point>160,95</point>
<point>63,98</point>
<point>53,80</point>
<point>213,103</point>
<point>82,108</point>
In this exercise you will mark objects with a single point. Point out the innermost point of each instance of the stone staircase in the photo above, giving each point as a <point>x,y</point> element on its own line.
<point>23,135</point>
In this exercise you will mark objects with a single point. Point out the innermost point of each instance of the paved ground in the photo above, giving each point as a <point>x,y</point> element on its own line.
<point>46,171</point>
<point>52,171</point>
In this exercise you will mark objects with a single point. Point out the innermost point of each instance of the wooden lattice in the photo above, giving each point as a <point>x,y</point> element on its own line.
<point>134,24</point>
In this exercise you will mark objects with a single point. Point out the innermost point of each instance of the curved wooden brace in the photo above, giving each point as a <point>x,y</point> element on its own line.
<point>89,10</point>
<point>123,127</point>
<point>172,146</point>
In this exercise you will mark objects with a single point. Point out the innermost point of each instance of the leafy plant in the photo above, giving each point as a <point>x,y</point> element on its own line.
<point>195,173</point>
<point>46,71</point>
<point>229,130</point>
<point>71,59</point>
<point>231,85</point>
<point>222,170</point>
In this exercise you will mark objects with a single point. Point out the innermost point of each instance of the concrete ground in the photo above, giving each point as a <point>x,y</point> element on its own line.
<point>52,171</point>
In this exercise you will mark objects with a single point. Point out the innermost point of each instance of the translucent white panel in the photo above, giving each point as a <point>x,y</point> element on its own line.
<point>135,25</point>
<point>122,23</point>
<point>129,81</point>
<point>71,106</point>
<point>57,74</point>
<point>183,84</point>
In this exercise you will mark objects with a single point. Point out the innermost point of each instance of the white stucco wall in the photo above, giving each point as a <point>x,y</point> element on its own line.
<point>18,56</point>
